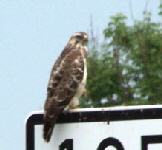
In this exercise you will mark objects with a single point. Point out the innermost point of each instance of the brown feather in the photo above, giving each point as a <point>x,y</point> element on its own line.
<point>65,77</point>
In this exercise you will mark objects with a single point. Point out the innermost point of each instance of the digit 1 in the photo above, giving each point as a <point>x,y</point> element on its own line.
<point>67,144</point>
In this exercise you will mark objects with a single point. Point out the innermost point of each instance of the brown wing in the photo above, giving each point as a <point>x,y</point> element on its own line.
<point>66,75</point>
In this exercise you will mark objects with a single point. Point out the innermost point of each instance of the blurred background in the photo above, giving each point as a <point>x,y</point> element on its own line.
<point>124,65</point>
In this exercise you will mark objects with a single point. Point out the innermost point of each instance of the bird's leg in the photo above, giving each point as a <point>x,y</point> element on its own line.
<point>74,103</point>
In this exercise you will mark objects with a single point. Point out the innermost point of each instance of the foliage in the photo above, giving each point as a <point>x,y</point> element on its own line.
<point>127,68</point>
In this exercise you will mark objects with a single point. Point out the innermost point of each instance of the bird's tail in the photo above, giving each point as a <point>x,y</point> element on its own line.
<point>49,124</point>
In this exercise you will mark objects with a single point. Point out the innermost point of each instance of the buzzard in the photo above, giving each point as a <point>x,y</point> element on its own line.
<point>67,81</point>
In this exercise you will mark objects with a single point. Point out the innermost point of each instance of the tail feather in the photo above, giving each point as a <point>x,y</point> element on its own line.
<point>49,124</point>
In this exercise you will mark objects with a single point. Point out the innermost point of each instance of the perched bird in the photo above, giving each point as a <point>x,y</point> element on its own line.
<point>67,81</point>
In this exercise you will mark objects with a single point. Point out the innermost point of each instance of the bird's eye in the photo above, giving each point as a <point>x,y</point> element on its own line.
<point>78,36</point>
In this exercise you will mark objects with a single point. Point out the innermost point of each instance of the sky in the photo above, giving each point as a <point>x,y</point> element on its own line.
<point>32,35</point>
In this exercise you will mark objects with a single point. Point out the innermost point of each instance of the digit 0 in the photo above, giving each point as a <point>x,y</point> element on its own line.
<point>67,144</point>
<point>110,142</point>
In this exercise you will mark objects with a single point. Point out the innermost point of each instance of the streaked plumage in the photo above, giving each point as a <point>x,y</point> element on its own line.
<point>67,81</point>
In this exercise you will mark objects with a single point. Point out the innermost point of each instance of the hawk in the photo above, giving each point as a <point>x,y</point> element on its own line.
<point>67,81</point>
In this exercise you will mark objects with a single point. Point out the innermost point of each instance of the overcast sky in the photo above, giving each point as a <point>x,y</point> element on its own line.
<point>32,35</point>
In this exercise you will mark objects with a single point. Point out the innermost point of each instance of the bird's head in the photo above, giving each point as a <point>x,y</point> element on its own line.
<point>79,38</point>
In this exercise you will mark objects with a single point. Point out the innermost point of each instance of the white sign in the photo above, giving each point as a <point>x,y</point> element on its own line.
<point>116,128</point>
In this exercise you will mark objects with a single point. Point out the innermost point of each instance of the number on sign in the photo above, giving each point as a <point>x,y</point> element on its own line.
<point>110,142</point>
<point>68,144</point>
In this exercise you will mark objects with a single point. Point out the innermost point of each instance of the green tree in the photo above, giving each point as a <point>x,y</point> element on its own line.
<point>127,68</point>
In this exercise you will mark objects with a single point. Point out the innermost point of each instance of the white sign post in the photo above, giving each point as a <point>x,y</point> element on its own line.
<point>116,128</point>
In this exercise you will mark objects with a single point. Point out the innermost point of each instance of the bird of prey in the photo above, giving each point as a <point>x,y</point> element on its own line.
<point>67,81</point>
